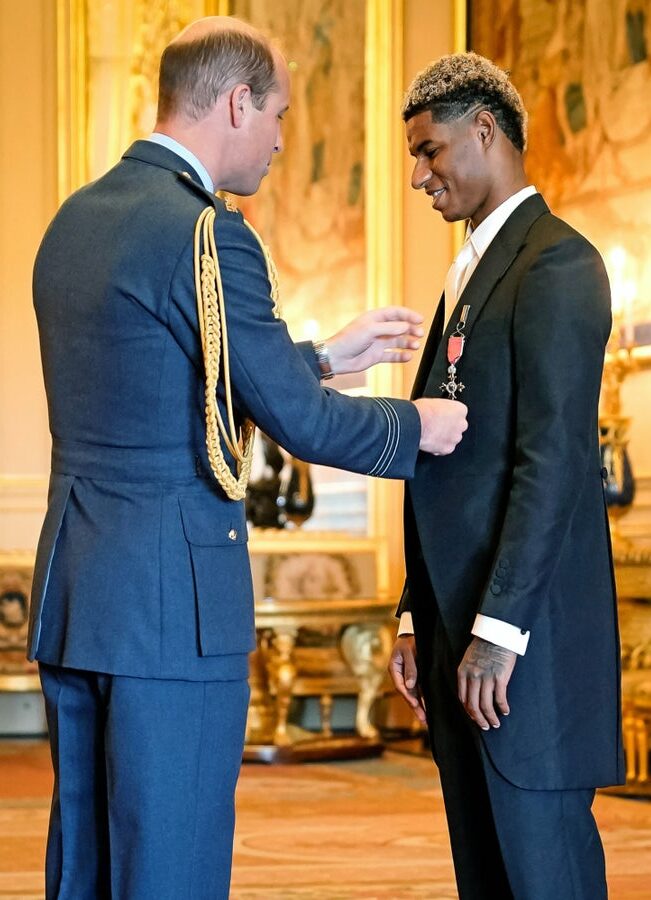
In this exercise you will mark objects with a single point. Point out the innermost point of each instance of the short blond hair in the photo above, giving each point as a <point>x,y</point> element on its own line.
<point>454,84</point>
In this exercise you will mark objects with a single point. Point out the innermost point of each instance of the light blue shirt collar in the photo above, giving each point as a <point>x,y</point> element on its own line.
<point>166,141</point>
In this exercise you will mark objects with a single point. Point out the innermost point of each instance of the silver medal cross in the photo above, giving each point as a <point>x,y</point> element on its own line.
<point>452,387</point>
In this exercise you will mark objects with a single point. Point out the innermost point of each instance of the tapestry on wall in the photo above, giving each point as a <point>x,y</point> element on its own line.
<point>311,208</point>
<point>582,67</point>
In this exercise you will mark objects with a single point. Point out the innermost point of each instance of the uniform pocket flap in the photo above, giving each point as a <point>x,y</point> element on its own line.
<point>213,524</point>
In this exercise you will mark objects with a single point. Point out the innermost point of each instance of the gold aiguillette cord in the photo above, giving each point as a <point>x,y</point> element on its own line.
<point>211,310</point>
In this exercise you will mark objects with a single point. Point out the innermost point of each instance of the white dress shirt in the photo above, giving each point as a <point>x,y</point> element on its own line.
<point>478,240</point>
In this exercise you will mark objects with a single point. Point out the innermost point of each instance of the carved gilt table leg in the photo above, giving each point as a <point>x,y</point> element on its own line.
<point>282,674</point>
<point>642,740</point>
<point>325,706</point>
<point>366,648</point>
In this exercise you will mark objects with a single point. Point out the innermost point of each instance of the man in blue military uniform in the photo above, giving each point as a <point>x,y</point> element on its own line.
<point>158,347</point>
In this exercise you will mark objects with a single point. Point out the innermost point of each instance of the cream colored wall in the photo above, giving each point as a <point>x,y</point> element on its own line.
<point>27,202</point>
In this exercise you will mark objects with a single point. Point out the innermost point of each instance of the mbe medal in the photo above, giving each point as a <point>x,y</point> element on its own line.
<point>456,344</point>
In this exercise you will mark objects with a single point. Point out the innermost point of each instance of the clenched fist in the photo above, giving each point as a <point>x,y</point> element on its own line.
<point>442,424</point>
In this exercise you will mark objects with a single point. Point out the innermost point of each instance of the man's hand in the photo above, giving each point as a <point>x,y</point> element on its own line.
<point>403,672</point>
<point>442,424</point>
<point>379,335</point>
<point>482,678</point>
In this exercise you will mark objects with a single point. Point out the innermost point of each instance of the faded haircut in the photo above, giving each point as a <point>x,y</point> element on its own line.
<point>456,84</point>
<point>193,74</point>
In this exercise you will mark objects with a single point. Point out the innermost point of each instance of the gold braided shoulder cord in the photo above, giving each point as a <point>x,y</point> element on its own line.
<point>211,309</point>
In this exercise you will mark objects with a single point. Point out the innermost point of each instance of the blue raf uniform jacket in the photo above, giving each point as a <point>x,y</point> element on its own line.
<point>142,566</point>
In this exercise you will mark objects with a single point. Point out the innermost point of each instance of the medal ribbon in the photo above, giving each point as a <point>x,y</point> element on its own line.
<point>457,340</point>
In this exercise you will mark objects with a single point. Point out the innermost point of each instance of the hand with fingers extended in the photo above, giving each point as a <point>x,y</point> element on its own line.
<point>379,335</point>
<point>482,678</point>
<point>404,674</point>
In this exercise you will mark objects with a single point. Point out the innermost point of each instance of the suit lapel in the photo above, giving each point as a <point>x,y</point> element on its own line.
<point>491,268</point>
<point>429,351</point>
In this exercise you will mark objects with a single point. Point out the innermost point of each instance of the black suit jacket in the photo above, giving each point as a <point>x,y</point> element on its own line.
<point>513,524</point>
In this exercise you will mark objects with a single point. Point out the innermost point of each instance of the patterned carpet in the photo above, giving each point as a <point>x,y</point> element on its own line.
<point>369,830</point>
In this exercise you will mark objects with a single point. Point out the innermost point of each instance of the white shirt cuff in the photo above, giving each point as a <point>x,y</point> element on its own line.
<point>501,633</point>
<point>406,624</point>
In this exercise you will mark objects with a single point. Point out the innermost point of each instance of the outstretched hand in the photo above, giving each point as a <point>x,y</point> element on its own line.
<point>482,679</point>
<point>379,335</point>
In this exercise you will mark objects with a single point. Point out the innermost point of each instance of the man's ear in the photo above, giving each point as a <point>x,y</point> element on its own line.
<point>239,104</point>
<point>486,127</point>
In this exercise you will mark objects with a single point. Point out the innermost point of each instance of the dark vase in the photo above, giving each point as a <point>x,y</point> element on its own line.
<point>296,497</point>
<point>619,484</point>
<point>262,495</point>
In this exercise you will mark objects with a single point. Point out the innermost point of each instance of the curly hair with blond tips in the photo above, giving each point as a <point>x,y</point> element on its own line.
<point>460,82</point>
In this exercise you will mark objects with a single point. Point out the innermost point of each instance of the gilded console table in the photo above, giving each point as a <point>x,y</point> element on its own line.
<point>633,575</point>
<point>351,659</point>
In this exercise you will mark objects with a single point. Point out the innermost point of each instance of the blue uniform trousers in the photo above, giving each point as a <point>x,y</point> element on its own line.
<point>145,773</point>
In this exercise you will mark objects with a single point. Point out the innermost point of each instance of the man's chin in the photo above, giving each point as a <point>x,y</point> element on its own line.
<point>245,190</point>
<point>449,215</point>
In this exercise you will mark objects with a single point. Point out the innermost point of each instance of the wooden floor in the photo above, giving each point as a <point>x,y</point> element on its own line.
<point>369,830</point>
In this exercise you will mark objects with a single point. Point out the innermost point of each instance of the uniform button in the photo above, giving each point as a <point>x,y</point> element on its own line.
<point>232,534</point>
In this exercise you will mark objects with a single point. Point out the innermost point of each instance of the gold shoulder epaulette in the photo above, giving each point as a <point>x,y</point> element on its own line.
<point>211,309</point>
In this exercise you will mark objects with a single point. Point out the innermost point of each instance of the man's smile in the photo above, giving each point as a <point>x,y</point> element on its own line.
<point>435,195</point>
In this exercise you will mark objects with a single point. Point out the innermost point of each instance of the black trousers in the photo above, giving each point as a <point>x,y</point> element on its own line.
<point>506,842</point>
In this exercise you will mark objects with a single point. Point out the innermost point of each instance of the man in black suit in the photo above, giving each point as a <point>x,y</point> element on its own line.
<point>509,573</point>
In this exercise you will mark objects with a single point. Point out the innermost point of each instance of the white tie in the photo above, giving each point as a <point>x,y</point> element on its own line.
<point>455,280</point>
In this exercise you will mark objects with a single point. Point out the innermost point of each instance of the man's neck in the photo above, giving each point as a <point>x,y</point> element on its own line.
<point>501,192</point>
<point>192,136</point>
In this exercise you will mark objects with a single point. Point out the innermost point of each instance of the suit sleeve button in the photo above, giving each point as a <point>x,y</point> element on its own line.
<point>232,534</point>
<point>496,589</point>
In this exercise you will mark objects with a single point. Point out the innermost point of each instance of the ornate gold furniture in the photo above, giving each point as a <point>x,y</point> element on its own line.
<point>633,575</point>
<point>21,706</point>
<point>309,647</point>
